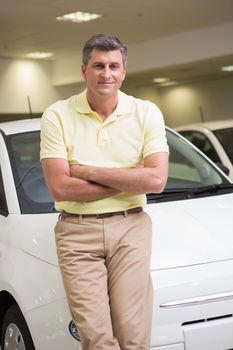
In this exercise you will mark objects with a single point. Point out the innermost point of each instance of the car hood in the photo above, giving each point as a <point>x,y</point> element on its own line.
<point>192,231</point>
<point>185,232</point>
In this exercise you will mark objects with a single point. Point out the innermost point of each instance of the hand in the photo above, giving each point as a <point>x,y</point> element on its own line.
<point>79,171</point>
<point>139,165</point>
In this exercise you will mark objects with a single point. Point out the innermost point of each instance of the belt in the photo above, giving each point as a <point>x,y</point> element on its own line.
<point>103,215</point>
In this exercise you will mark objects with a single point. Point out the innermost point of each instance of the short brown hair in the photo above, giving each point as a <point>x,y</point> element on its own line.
<point>104,42</point>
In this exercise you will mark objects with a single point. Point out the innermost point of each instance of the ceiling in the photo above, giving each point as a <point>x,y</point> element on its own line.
<point>30,25</point>
<point>209,69</point>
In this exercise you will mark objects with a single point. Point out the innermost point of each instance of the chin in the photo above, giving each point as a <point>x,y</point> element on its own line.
<point>107,92</point>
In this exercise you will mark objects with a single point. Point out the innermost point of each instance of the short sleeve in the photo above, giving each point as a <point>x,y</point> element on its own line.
<point>154,131</point>
<point>52,136</point>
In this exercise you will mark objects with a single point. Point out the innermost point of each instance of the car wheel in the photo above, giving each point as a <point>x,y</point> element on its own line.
<point>15,333</point>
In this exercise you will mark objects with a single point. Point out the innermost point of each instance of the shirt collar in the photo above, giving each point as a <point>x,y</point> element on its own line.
<point>82,104</point>
<point>124,106</point>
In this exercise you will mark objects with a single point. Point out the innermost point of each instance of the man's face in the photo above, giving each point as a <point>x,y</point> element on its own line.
<point>104,72</point>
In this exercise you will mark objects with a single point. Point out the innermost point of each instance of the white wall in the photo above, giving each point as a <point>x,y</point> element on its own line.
<point>22,78</point>
<point>183,104</point>
<point>150,93</point>
<point>43,82</point>
<point>208,100</point>
<point>67,70</point>
<point>181,48</point>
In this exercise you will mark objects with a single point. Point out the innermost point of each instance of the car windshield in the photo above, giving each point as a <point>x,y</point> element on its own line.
<point>190,174</point>
<point>188,170</point>
<point>225,137</point>
<point>31,189</point>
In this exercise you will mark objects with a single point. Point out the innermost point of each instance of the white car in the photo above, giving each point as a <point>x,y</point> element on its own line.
<point>215,139</point>
<point>191,264</point>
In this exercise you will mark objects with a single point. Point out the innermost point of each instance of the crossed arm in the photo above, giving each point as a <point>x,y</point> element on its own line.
<point>86,183</point>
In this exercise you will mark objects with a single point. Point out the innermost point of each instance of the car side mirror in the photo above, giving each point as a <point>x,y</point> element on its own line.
<point>224,168</point>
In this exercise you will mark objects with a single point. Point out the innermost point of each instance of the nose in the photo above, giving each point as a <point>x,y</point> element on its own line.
<point>106,73</point>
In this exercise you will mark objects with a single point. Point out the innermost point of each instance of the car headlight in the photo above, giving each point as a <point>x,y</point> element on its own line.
<point>74,330</point>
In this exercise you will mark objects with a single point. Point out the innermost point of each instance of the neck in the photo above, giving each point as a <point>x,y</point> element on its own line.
<point>103,106</point>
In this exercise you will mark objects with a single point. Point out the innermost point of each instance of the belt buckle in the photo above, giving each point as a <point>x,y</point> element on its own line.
<point>99,216</point>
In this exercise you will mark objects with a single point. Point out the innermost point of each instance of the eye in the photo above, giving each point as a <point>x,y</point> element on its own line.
<point>114,66</point>
<point>98,66</point>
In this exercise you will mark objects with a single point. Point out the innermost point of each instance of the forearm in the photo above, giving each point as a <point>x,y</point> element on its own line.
<point>63,187</point>
<point>134,180</point>
<point>79,190</point>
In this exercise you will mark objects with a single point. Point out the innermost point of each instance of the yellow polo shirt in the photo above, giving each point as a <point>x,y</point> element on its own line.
<point>71,130</point>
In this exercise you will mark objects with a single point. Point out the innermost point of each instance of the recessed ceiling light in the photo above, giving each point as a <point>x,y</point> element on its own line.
<point>227,68</point>
<point>169,83</point>
<point>39,55</point>
<point>160,80</point>
<point>78,17</point>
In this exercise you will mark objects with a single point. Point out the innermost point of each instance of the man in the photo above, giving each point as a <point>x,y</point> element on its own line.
<point>101,152</point>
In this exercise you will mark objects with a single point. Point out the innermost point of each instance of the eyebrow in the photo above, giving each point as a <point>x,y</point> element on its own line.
<point>101,62</point>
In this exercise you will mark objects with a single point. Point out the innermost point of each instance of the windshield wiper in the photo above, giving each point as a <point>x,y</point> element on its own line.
<point>171,194</point>
<point>213,189</point>
<point>174,194</point>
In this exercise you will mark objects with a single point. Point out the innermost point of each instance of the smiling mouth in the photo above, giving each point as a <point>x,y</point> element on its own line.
<point>105,82</point>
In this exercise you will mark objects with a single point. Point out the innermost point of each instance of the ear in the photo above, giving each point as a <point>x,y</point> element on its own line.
<point>124,74</point>
<point>83,70</point>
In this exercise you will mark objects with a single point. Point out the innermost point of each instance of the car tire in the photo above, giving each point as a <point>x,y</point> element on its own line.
<point>15,333</point>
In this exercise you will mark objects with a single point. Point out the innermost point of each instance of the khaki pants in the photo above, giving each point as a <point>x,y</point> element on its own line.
<point>105,269</point>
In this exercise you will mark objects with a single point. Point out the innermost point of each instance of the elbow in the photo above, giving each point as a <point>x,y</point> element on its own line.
<point>159,188</point>
<point>59,189</point>
<point>57,197</point>
<point>57,194</point>
<point>159,185</point>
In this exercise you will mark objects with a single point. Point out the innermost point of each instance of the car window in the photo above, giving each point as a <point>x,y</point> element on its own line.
<point>187,168</point>
<point>28,176</point>
<point>3,204</point>
<point>225,137</point>
<point>203,143</point>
